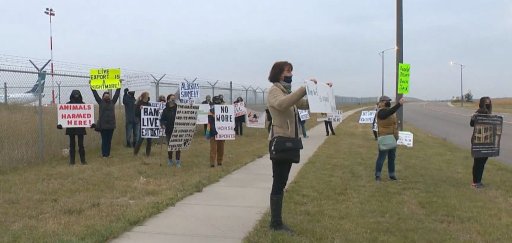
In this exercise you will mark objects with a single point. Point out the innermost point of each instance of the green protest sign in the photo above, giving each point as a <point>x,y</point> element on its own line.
<point>403,78</point>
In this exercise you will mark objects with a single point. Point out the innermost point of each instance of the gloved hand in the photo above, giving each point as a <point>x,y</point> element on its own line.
<point>59,126</point>
<point>93,125</point>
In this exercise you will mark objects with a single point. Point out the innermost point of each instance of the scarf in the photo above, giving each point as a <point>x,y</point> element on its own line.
<point>287,86</point>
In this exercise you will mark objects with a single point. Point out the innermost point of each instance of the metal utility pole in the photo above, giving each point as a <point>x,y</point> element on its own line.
<point>50,12</point>
<point>461,92</point>
<point>399,58</point>
<point>381,53</point>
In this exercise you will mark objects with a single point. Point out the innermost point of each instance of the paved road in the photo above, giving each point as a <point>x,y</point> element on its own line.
<point>452,124</point>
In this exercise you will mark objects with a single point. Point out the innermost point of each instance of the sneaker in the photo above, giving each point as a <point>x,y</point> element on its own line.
<point>334,134</point>
<point>477,185</point>
<point>178,164</point>
<point>219,164</point>
<point>377,178</point>
<point>393,178</point>
<point>170,162</point>
<point>212,166</point>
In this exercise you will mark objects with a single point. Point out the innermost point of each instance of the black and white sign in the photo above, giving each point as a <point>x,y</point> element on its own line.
<point>225,122</point>
<point>486,138</point>
<point>184,127</point>
<point>150,122</point>
<point>367,117</point>
<point>189,91</point>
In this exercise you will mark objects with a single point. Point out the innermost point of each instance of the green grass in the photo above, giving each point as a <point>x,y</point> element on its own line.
<point>52,202</point>
<point>336,199</point>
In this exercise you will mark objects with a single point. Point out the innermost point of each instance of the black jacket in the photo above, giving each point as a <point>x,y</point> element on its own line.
<point>168,117</point>
<point>129,108</point>
<point>75,100</point>
<point>107,116</point>
<point>138,109</point>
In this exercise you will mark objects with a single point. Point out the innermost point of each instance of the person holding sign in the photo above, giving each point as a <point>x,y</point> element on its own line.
<point>131,124</point>
<point>484,107</point>
<point>283,104</point>
<point>302,126</point>
<point>240,119</point>
<point>328,125</point>
<point>216,146</point>
<point>79,132</point>
<point>143,100</point>
<point>167,122</point>
<point>107,122</point>
<point>387,136</point>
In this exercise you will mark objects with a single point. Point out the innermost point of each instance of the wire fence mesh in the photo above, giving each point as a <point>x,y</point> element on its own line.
<point>28,89</point>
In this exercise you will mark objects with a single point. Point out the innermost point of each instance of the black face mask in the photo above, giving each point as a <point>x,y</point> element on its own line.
<point>488,107</point>
<point>288,79</point>
<point>387,104</point>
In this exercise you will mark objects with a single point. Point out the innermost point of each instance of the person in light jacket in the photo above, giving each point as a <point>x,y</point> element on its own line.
<point>282,104</point>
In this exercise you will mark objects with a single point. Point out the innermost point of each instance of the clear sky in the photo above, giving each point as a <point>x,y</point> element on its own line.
<point>238,41</point>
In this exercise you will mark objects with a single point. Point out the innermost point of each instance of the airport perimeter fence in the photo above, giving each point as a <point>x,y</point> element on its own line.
<point>29,92</point>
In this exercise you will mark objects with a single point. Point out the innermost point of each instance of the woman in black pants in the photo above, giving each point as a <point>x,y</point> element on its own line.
<point>282,104</point>
<point>485,108</point>
<point>78,132</point>
<point>107,120</point>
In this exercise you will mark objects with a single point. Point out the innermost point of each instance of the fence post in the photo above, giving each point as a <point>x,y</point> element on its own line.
<point>40,111</point>
<point>231,91</point>
<point>5,93</point>
<point>58,88</point>
<point>213,86</point>
<point>263,92</point>
<point>157,85</point>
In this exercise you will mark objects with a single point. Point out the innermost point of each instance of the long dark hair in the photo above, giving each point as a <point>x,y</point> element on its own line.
<point>277,70</point>
<point>481,106</point>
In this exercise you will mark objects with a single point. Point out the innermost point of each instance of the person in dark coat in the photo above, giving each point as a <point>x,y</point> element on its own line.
<point>484,108</point>
<point>79,132</point>
<point>107,120</point>
<point>131,123</point>
<point>216,146</point>
<point>143,100</point>
<point>239,120</point>
<point>167,122</point>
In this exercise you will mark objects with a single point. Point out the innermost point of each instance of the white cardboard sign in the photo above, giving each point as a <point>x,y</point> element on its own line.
<point>304,115</point>
<point>225,122</point>
<point>320,98</point>
<point>184,127</point>
<point>405,138</point>
<point>367,117</point>
<point>202,114</point>
<point>255,119</point>
<point>75,115</point>
<point>150,122</point>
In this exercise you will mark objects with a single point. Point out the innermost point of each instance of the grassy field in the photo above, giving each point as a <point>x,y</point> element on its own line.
<point>336,199</point>
<point>49,201</point>
<point>500,105</point>
<point>53,202</point>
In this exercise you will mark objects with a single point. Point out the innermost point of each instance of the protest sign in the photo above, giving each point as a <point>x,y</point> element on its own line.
<point>240,109</point>
<point>486,138</point>
<point>336,117</point>
<point>255,119</point>
<point>75,115</point>
<point>161,107</point>
<point>320,98</point>
<point>150,122</point>
<point>102,79</point>
<point>184,127</point>
<point>403,78</point>
<point>405,138</point>
<point>189,91</point>
<point>367,117</point>
<point>303,115</point>
<point>225,122</point>
<point>202,114</point>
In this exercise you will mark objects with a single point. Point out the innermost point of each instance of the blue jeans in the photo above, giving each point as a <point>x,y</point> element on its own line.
<point>303,126</point>
<point>132,128</point>
<point>391,161</point>
<point>106,141</point>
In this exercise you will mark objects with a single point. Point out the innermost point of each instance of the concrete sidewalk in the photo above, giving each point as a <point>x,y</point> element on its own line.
<point>227,210</point>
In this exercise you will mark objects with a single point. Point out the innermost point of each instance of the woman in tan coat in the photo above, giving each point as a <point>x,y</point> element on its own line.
<point>282,104</point>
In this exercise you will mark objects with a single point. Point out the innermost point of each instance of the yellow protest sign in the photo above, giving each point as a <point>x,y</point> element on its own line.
<point>102,79</point>
<point>403,78</point>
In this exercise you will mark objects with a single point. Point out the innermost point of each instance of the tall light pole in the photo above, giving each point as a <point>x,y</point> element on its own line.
<point>50,12</point>
<point>461,92</point>
<point>382,55</point>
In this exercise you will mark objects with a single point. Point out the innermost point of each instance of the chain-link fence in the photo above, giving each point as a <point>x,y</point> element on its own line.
<point>28,89</point>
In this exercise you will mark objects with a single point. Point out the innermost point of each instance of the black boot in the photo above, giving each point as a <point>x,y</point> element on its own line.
<point>82,156</point>
<point>71,157</point>
<point>276,220</point>
<point>136,148</point>
<point>148,149</point>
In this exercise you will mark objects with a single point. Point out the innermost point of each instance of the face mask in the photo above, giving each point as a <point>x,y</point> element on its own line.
<point>76,96</point>
<point>488,106</point>
<point>387,104</point>
<point>288,79</point>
